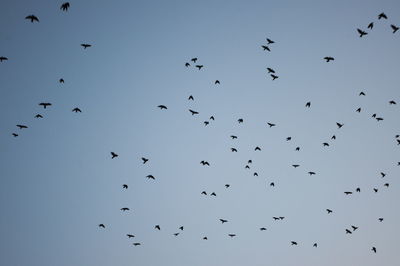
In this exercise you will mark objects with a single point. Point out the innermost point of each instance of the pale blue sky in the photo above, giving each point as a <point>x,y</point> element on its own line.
<point>57,179</point>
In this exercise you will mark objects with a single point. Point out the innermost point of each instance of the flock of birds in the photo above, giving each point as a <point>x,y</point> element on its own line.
<point>266,47</point>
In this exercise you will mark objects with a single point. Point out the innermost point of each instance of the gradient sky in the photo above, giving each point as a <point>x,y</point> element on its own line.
<point>57,179</point>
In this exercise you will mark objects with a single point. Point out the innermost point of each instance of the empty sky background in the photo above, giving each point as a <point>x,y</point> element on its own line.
<point>57,179</point>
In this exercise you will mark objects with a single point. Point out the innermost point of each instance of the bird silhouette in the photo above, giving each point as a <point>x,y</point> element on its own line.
<point>157,227</point>
<point>86,45</point>
<point>333,137</point>
<point>38,116</point>
<point>297,149</point>
<point>231,235</point>
<point>392,102</point>
<point>271,124</point>
<point>325,144</point>
<point>124,209</point>
<point>206,123</point>
<point>102,226</point>
<point>354,227</point>
<point>288,138</point>
<point>233,137</point>
<point>22,126</point>
<point>382,15</point>
<point>15,135</point>
<point>212,118</point>
<point>181,228</point>
<point>373,249</point>
<point>45,105</point>
<point>217,82</point>
<point>76,110</point>
<point>358,190</point>
<point>199,66</point>
<point>329,211</point>
<point>375,190</point>
<point>394,28</point>
<point>61,81</point>
<point>311,173</point>
<point>32,18</point>
<point>274,76</point>
<point>130,236</point>
<point>151,177</point>
<point>386,185</point>
<point>257,148</point>
<point>270,41</point>
<point>145,160</point>
<point>205,163</point>
<point>308,104</point>
<point>194,60</point>
<point>358,110</point>
<point>227,185</point>
<point>379,119</point>
<point>383,174</point>
<point>361,94</point>
<point>348,231</point>
<point>187,64</point>
<point>339,125</point>
<point>380,219</point>
<point>294,243</point>
<point>266,48</point>
<point>191,98</point>
<point>272,184</point>
<point>113,155</point>
<point>213,194</point>
<point>193,112</point>
<point>162,107</point>
<point>329,58</point>
<point>371,25</point>
<point>255,174</point>
<point>204,193</point>
<point>240,120</point>
<point>136,244</point>
<point>3,58</point>
<point>361,32</point>
<point>270,70</point>
<point>295,165</point>
<point>205,238</point>
<point>125,186</point>
<point>263,229</point>
<point>315,245</point>
<point>233,150</point>
<point>65,6</point>
<point>223,221</point>
<point>348,192</point>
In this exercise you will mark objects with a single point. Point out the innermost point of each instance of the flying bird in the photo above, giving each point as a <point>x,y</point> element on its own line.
<point>339,125</point>
<point>130,236</point>
<point>271,124</point>
<point>162,107</point>
<point>311,173</point>
<point>257,148</point>
<point>240,120</point>
<point>193,112</point>
<point>227,185</point>
<point>270,41</point>
<point>373,249</point>
<point>45,105</point>
<point>371,25</point>
<point>295,165</point>
<point>358,110</point>
<point>231,235</point>
<point>199,66</point>
<point>22,126</point>
<point>187,64</point>
<point>294,243</point>
<point>102,226</point>
<point>65,6</point>
<point>213,194</point>
<point>270,70</point>
<point>217,82</point>
<point>266,48</point>
<point>263,229</point>
<point>223,221</point>
<point>86,45</point>
<point>354,227</point>
<point>124,209</point>
<point>204,163</point>
<point>151,177</point>
<point>361,32</point>
<point>329,58</point>
<point>329,211</point>
<point>191,98</point>
<point>204,193</point>
<point>233,137</point>
<point>392,102</point>
<point>32,18</point>
<point>3,58</point>
<point>382,15</point>
<point>206,123</point>
<point>233,150</point>
<point>136,244</point>
<point>61,81</point>
<point>145,160</point>
<point>38,116</point>
<point>361,94</point>
<point>157,227</point>
<point>113,155</point>
<point>274,76</point>
<point>394,28</point>
<point>76,110</point>
<point>348,192</point>
<point>194,59</point>
<point>15,135</point>
<point>315,245</point>
<point>308,104</point>
<point>348,231</point>
<point>125,186</point>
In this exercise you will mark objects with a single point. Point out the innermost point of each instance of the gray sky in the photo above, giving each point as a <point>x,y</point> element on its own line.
<point>58,181</point>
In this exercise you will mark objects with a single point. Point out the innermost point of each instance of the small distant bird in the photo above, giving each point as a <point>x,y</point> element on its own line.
<point>176,234</point>
<point>373,249</point>
<point>348,192</point>
<point>124,209</point>
<point>333,137</point>
<point>77,110</point>
<point>270,70</point>
<point>240,120</point>
<point>271,125</point>
<point>206,123</point>
<point>130,236</point>
<point>326,144</point>
<point>358,190</point>
<point>125,186</point>
<point>191,98</point>
<point>383,174</point>
<point>370,25</point>
<point>187,64</point>
<point>65,6</point>
<point>193,112</point>
<point>295,165</point>
<point>374,115</point>
<point>274,76</point>
<point>61,80</point>
<point>22,126</point>
<point>394,28</point>
<point>233,137</point>
<point>288,138</point>
<point>145,160</point>
<point>382,15</point>
<point>275,218</point>
<point>392,102</point>
<point>233,150</point>
<point>15,135</point>
<point>199,66</point>
<point>162,107</point>
<point>294,243</point>
<point>32,18</point>
<point>297,149</point>
<point>354,227</point>
<point>255,174</point>
<point>194,59</point>
<point>379,119</point>
<point>348,231</point>
<point>329,58</point>
<point>339,125</point>
<point>113,155</point>
<point>45,105</point>
<point>249,161</point>
<point>308,104</point>
<point>361,94</point>
<point>102,226</point>
<point>3,58</point>
<point>205,238</point>
<point>227,185</point>
<point>212,118</point>
<point>263,229</point>
<point>223,220</point>
<point>204,193</point>
<point>358,110</point>
<point>213,194</point>
<point>86,45</point>
<point>375,190</point>
<point>204,163</point>
<point>386,184</point>
<point>315,245</point>
<point>361,32</point>
<point>311,173</point>
<point>329,211</point>
<point>231,235</point>
<point>270,41</point>
<point>181,228</point>
<point>272,184</point>
<point>257,148</point>
<point>266,48</point>
<point>380,219</point>
<point>157,227</point>
<point>136,244</point>
<point>38,116</point>
<point>151,177</point>
<point>217,82</point>
<point>247,167</point>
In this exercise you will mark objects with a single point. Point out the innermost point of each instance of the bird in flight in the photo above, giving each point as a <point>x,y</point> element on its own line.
<point>86,45</point>
<point>162,107</point>
<point>373,249</point>
<point>274,76</point>
<point>358,110</point>
<point>231,235</point>
<point>15,135</point>
<point>361,94</point>
<point>294,243</point>
<point>136,244</point>
<point>257,148</point>
<point>3,58</point>
<point>151,177</point>
<point>61,81</point>
<point>233,137</point>
<point>125,186</point>
<point>38,116</point>
<point>311,173</point>
<point>394,28</point>
<point>370,25</point>
<point>227,185</point>
<point>144,160</point>
<point>193,112</point>
<point>213,194</point>
<point>194,59</point>
<point>266,48</point>
<point>392,102</point>
<point>187,64</point>
<point>270,70</point>
<point>382,15</point>
<point>271,124</point>
<point>295,165</point>
<point>329,211</point>
<point>339,125</point>
<point>113,155</point>
<point>380,219</point>
<point>77,110</point>
<point>233,150</point>
<point>204,193</point>
<point>157,227</point>
<point>22,126</point>
<point>240,120</point>
<point>354,227</point>
<point>348,192</point>
<point>308,104</point>
<point>199,66</point>
<point>45,105</point>
<point>329,58</point>
<point>204,163</point>
<point>102,226</point>
<point>270,41</point>
<point>124,209</point>
<point>358,190</point>
<point>32,18</point>
<point>223,221</point>
<point>191,98</point>
<point>65,6</point>
<point>348,231</point>
<point>326,144</point>
<point>361,32</point>
<point>130,236</point>
<point>315,245</point>
<point>217,82</point>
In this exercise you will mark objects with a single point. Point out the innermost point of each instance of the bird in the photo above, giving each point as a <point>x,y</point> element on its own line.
<point>354,227</point>
<point>125,186</point>
<point>295,165</point>
<point>288,138</point>
<point>361,94</point>
<point>386,184</point>
<point>326,144</point>
<point>65,6</point>
<point>333,137</point>
<point>297,149</point>
<point>32,18</point>
<point>86,45</point>
<point>274,76</point>
<point>255,174</point>
<point>204,193</point>
<point>217,82</point>
<point>270,41</point>
<point>61,81</point>
<point>227,185</point>
<point>45,105</point>
<point>315,245</point>
<point>130,236</point>
<point>223,221</point>
<point>212,118</point>
<point>358,110</point>
<point>361,32</point>
<point>231,235</point>
<point>311,173</point>
<point>124,209</point>
<point>187,64</point>
<point>257,148</point>
<point>181,228</point>
<point>194,59</point>
<point>206,123</point>
<point>348,231</point>
<point>213,194</point>
<point>15,135</point>
<point>339,125</point>
<point>371,25</point>
<point>157,227</point>
<point>329,211</point>
<point>76,110</point>
<point>102,226</point>
<point>392,102</point>
<point>205,238</point>
<point>275,218</point>
<point>383,174</point>
<point>176,234</point>
<point>294,243</point>
<point>38,116</point>
<point>233,150</point>
<point>375,190</point>
<point>329,58</point>
<point>382,15</point>
<point>145,160</point>
<point>247,167</point>
<point>348,192</point>
<point>22,126</point>
<point>374,115</point>
<point>199,66</point>
<point>358,190</point>
<point>308,104</point>
<point>266,48</point>
<point>193,112</point>
<point>272,184</point>
<point>205,163</point>
<point>379,118</point>
<point>270,70</point>
<point>249,161</point>
<point>151,177</point>
<point>271,124</point>
<point>373,249</point>
<point>380,219</point>
<point>162,107</point>
<point>191,98</point>
<point>240,120</point>
<point>394,28</point>
<point>3,58</point>
<point>113,155</point>
<point>136,244</point>
<point>233,137</point>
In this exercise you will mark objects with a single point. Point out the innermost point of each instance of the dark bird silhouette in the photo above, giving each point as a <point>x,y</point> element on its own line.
<point>213,194</point>
<point>61,81</point>
<point>124,209</point>
<point>187,64</point>
<point>294,243</point>
<point>392,102</point>
<point>136,244</point>
<point>374,115</point>
<point>297,149</point>
<point>125,186</point>
<point>270,41</point>
<point>358,190</point>
<point>358,110</point>
<point>231,235</point>
<point>199,66</point>
<point>233,137</point>
<point>288,138</point>
<point>315,245</point>
<point>204,193</point>
<point>77,110</point>
<point>65,6</point>
<point>15,135</point>
<point>102,226</point>
<point>348,231</point>
<point>329,58</point>
<point>295,165</point>
<point>271,125</point>
<point>176,234</point>
<point>339,125</point>
<point>308,104</point>
<point>247,167</point>
<point>255,174</point>
<point>191,98</point>
<point>361,94</point>
<point>249,161</point>
<point>329,211</point>
<point>223,221</point>
<point>373,249</point>
<point>227,185</point>
<point>266,48</point>
<point>217,82</point>
<point>22,126</point>
<point>382,15</point>
<point>205,238</point>
<point>38,116</point>
<point>233,150</point>
<point>394,28</point>
<point>157,227</point>
<point>375,190</point>
<point>380,219</point>
<point>212,118</point>
<point>194,60</point>
<point>379,119</point>
<point>45,105</point>
<point>162,107</point>
<point>130,236</point>
<point>3,58</point>
<point>272,184</point>
<point>151,177</point>
<point>333,137</point>
<point>32,18</point>
<point>270,70</point>
<point>205,163</point>
<point>263,229</point>
<point>354,227</point>
<point>181,228</point>
<point>386,185</point>
<point>86,45</point>
<point>348,192</point>
<point>370,25</point>
<point>145,160</point>
<point>113,155</point>
<point>326,144</point>
<point>193,112</point>
<point>206,123</point>
<point>240,120</point>
<point>361,32</point>
<point>257,148</point>
<point>311,173</point>
<point>274,76</point>
<point>383,174</point>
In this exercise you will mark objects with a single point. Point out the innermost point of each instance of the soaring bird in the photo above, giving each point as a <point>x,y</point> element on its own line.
<point>270,41</point>
<point>151,177</point>
<point>206,123</point>
<point>288,138</point>
<point>15,135</point>
<point>38,116</point>
<point>354,227</point>
<point>176,234</point>
<point>266,48</point>
<point>358,190</point>
<point>394,28</point>
<point>257,148</point>
<point>233,137</point>
<point>263,229</point>
<point>113,155</point>
<point>326,144</point>
<point>204,193</point>
<point>373,249</point>
<point>348,231</point>
<point>371,25</point>
<point>32,18</point>
<point>386,184</point>
<point>45,105</point>
<point>193,112</point>
<point>86,45</point>
<point>361,94</point>
<point>294,243</point>
<point>130,236</point>
<point>65,6</point>
<point>333,137</point>
<point>213,194</point>
<point>271,124</point>
<point>270,70</point>
<point>315,245</point>
<point>145,160</point>
<point>379,118</point>
<point>361,32</point>
<point>227,185</point>
<point>136,244</point>
<point>205,238</point>
<point>339,125</point>
<point>311,173</point>
<point>217,82</point>
<point>233,150</point>
<point>274,76</point>
<point>124,209</point>
<point>223,221</point>
<point>383,174</point>
<point>3,58</point>
<point>375,190</point>
<point>272,184</point>
<point>194,59</point>
<point>255,174</point>
<point>181,228</point>
<point>240,120</point>
<point>308,104</point>
<point>348,192</point>
<point>392,102</point>
<point>162,107</point>
<point>77,110</point>
<point>382,15</point>
<point>295,165</point>
<point>231,235</point>
<point>157,227</point>
<point>199,66</point>
<point>22,126</point>
<point>204,163</point>
<point>329,58</point>
<point>358,110</point>
<point>102,226</point>
<point>61,80</point>
<point>125,186</point>
<point>380,219</point>
<point>191,98</point>
<point>275,218</point>
<point>187,64</point>
<point>329,211</point>
<point>297,149</point>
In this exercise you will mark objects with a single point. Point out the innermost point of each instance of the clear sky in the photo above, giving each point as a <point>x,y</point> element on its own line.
<point>58,181</point>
